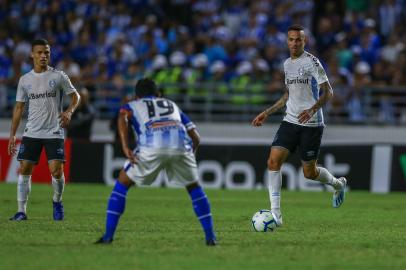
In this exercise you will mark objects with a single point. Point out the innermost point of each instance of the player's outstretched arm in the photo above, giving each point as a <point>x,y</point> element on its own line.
<point>66,116</point>
<point>194,135</point>
<point>324,98</point>
<point>260,118</point>
<point>15,122</point>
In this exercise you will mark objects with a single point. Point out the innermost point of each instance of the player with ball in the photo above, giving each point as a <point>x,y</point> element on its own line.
<point>308,89</point>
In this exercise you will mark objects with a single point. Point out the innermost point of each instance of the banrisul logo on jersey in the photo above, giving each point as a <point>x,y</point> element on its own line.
<point>298,81</point>
<point>45,94</point>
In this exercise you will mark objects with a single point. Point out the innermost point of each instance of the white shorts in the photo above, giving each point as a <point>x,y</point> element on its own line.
<point>180,167</point>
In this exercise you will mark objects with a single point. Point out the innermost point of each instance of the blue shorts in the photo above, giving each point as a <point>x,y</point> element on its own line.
<point>307,139</point>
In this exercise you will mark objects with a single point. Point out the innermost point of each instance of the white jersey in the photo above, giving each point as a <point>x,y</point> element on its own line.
<point>303,76</point>
<point>44,93</point>
<point>159,124</point>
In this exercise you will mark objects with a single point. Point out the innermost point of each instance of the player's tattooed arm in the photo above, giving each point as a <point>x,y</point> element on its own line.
<point>66,116</point>
<point>278,105</point>
<point>15,122</point>
<point>259,120</point>
<point>327,94</point>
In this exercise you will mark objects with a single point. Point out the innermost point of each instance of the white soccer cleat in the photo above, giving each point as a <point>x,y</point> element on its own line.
<point>339,194</point>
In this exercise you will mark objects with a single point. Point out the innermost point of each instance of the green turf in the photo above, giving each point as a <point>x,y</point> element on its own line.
<point>160,231</point>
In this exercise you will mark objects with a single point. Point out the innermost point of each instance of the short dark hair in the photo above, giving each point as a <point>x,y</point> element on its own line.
<point>296,27</point>
<point>39,41</point>
<point>146,87</point>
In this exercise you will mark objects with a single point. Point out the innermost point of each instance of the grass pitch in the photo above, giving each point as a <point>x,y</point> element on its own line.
<point>159,231</point>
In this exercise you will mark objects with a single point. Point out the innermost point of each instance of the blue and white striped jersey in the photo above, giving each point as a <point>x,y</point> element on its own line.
<point>159,124</point>
<point>303,76</point>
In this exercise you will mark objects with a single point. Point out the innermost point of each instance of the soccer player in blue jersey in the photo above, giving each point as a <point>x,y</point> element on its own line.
<point>308,89</point>
<point>166,140</point>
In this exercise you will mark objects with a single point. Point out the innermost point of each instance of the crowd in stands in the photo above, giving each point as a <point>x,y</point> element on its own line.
<point>106,46</point>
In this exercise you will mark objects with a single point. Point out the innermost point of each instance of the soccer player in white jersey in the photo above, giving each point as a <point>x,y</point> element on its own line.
<point>43,89</point>
<point>166,140</point>
<point>308,89</point>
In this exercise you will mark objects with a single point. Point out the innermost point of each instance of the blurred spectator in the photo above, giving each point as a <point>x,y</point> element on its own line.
<point>274,37</point>
<point>391,50</point>
<point>71,68</point>
<point>340,80</point>
<point>389,16</point>
<point>134,73</point>
<point>195,78</point>
<point>343,53</point>
<point>357,5</point>
<point>233,16</point>
<point>175,76</point>
<point>217,84</point>
<point>381,74</point>
<point>158,70</point>
<point>240,84</point>
<point>399,76</point>
<point>325,35</point>
<point>261,78</point>
<point>81,123</point>
<point>361,80</point>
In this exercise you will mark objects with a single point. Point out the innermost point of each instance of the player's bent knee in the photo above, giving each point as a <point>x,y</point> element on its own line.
<point>25,172</point>
<point>124,179</point>
<point>274,165</point>
<point>192,186</point>
<point>310,173</point>
<point>56,169</point>
<point>26,168</point>
<point>57,173</point>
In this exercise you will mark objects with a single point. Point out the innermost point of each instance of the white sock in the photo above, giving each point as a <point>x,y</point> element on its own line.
<point>275,184</point>
<point>327,178</point>
<point>23,190</point>
<point>58,185</point>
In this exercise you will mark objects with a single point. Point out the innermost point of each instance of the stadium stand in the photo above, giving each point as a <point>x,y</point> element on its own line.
<point>220,60</point>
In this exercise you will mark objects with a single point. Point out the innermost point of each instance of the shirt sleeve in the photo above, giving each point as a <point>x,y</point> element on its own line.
<point>186,121</point>
<point>126,107</point>
<point>66,84</point>
<point>285,73</point>
<point>22,95</point>
<point>318,72</point>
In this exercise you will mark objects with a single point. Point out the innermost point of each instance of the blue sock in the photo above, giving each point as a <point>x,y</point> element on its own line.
<point>115,208</point>
<point>201,206</point>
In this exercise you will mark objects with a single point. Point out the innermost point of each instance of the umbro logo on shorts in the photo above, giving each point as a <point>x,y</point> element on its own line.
<point>310,153</point>
<point>22,148</point>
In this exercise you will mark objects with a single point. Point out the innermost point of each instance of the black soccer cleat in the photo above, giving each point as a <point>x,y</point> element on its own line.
<point>211,242</point>
<point>19,216</point>
<point>103,241</point>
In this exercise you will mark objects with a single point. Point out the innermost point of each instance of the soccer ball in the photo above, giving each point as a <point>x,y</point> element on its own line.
<point>263,221</point>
